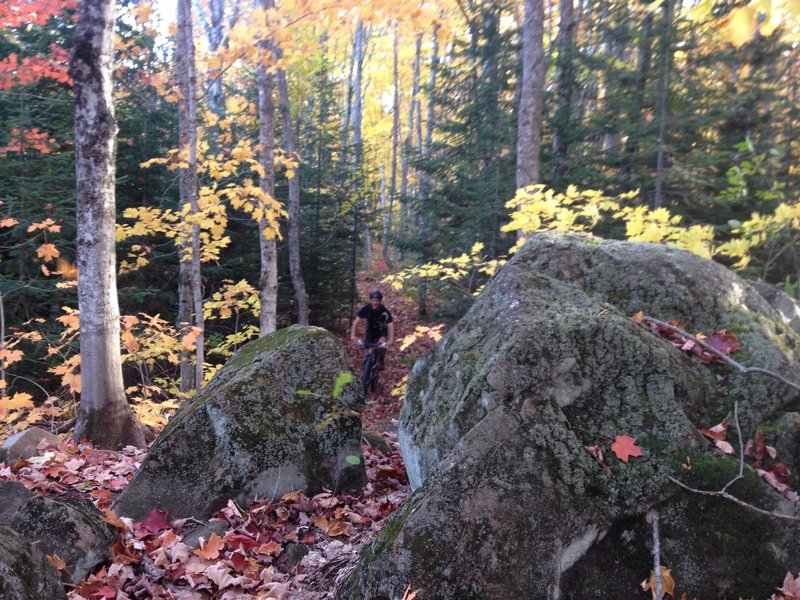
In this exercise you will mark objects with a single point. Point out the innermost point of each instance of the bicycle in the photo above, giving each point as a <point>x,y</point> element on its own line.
<point>371,367</point>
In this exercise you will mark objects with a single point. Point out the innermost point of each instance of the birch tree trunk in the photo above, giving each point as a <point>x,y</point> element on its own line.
<point>408,143</point>
<point>268,282</point>
<point>290,143</point>
<point>395,144</point>
<point>104,416</point>
<point>190,309</point>
<point>529,123</point>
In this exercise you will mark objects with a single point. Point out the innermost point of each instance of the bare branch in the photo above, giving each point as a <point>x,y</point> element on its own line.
<point>721,355</point>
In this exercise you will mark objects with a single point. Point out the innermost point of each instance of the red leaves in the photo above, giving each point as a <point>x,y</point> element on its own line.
<point>624,447</point>
<point>790,590</point>
<point>723,341</point>
<point>154,522</point>
<point>776,474</point>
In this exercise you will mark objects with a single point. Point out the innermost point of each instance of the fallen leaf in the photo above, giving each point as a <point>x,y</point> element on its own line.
<point>667,583</point>
<point>717,432</point>
<point>724,447</point>
<point>112,519</point>
<point>57,562</point>
<point>155,521</point>
<point>597,454</point>
<point>624,447</point>
<point>210,549</point>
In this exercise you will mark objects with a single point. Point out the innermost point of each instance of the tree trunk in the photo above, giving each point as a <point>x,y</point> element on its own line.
<point>190,285</point>
<point>408,143</point>
<point>268,283</point>
<point>529,123</point>
<point>104,416</point>
<point>666,46</point>
<point>565,75</point>
<point>395,143</point>
<point>290,143</point>
<point>214,27</point>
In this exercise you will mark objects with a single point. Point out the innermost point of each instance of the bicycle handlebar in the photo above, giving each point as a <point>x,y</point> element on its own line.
<point>371,344</point>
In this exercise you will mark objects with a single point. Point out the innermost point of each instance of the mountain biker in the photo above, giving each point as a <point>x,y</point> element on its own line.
<point>380,324</point>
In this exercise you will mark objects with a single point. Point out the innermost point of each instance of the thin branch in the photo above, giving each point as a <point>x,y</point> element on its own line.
<point>721,355</point>
<point>657,555</point>
<point>735,500</point>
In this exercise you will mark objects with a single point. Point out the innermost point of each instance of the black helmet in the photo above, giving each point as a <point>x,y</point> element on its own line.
<point>375,294</point>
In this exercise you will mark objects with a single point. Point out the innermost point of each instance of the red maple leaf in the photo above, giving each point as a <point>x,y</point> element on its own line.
<point>624,447</point>
<point>154,522</point>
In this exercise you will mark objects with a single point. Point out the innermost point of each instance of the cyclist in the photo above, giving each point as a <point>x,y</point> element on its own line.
<point>380,324</point>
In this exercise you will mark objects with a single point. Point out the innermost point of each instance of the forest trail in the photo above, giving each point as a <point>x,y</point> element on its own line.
<point>383,406</point>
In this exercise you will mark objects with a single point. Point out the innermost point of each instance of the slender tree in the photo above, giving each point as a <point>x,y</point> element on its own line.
<point>529,124</point>
<point>103,415</point>
<point>190,303</point>
<point>666,57</point>
<point>290,142</point>
<point>268,281</point>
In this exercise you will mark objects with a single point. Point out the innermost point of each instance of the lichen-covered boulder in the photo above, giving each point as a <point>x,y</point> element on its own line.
<point>12,495</point>
<point>25,572</point>
<point>25,444</point>
<point>547,362</point>
<point>72,529</point>
<point>270,421</point>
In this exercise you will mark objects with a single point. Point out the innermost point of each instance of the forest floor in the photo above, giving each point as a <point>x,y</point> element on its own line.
<point>298,547</point>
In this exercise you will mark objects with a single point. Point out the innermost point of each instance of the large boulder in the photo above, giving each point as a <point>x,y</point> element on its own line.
<point>71,529</point>
<point>12,495</point>
<point>25,572</point>
<point>498,416</point>
<point>269,422</point>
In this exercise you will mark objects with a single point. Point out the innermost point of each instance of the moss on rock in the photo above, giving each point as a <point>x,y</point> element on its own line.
<point>250,434</point>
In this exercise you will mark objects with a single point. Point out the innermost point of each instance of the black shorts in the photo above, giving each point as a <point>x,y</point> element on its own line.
<point>372,337</point>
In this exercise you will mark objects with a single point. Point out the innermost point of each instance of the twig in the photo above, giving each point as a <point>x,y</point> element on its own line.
<point>721,355</point>
<point>735,500</point>
<point>657,555</point>
<point>723,493</point>
<point>67,426</point>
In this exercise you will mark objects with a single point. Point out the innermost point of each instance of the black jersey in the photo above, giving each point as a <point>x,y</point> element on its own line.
<point>377,321</point>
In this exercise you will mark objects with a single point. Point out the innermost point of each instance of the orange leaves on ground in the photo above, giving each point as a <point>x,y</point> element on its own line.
<point>271,548</point>
<point>211,549</point>
<point>333,527</point>
<point>409,595</point>
<point>624,447</point>
<point>110,517</point>
<point>667,584</point>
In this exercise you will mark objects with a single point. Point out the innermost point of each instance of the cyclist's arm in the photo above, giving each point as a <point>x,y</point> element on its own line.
<point>356,321</point>
<point>390,339</point>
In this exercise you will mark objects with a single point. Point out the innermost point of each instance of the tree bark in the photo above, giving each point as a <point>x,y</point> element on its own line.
<point>104,416</point>
<point>190,284</point>
<point>268,282</point>
<point>666,46</point>
<point>408,143</point>
<point>529,123</point>
<point>395,143</point>
<point>565,75</point>
<point>290,142</point>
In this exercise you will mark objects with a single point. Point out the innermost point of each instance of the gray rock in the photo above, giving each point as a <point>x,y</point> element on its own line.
<point>377,441</point>
<point>290,557</point>
<point>12,495</point>
<point>204,532</point>
<point>72,529</point>
<point>23,444</point>
<point>509,503</point>
<point>782,302</point>
<point>265,425</point>
<point>25,572</point>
